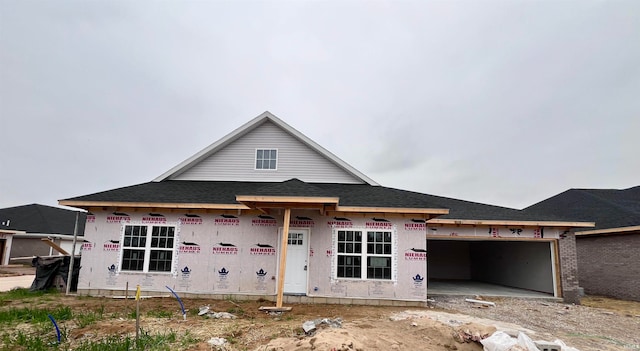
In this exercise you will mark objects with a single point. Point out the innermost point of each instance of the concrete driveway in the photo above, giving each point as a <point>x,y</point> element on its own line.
<point>18,281</point>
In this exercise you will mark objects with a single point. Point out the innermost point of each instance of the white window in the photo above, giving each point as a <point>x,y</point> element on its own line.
<point>364,254</point>
<point>266,158</point>
<point>148,248</point>
<point>295,239</point>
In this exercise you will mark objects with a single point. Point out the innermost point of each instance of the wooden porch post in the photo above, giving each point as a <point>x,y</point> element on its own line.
<point>283,256</point>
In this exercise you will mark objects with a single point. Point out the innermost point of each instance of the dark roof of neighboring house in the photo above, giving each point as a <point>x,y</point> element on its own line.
<point>42,219</point>
<point>356,195</point>
<point>609,208</point>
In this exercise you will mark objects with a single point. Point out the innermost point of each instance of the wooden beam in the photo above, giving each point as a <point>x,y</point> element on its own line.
<point>55,246</point>
<point>283,256</point>
<point>85,204</point>
<point>558,276</point>
<point>399,210</point>
<point>486,238</point>
<point>287,199</point>
<point>292,205</point>
<point>620,230</point>
<point>474,222</point>
<point>274,309</point>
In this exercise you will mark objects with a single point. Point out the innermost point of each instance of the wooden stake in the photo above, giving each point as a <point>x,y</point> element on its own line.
<point>283,256</point>
<point>137,315</point>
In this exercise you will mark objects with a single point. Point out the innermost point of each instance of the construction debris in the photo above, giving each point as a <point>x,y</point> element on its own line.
<point>221,315</point>
<point>486,303</point>
<point>206,311</point>
<point>469,333</point>
<point>217,343</point>
<point>310,327</point>
<point>500,341</point>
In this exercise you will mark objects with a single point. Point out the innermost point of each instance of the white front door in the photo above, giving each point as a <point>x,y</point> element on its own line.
<point>295,275</point>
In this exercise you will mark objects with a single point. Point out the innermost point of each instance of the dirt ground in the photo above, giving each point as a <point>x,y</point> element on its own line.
<point>599,324</point>
<point>594,326</point>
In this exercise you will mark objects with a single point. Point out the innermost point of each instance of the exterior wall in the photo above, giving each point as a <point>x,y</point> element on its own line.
<point>236,161</point>
<point>569,268</point>
<point>204,266</point>
<point>220,256</point>
<point>26,247</point>
<point>33,246</point>
<point>610,265</point>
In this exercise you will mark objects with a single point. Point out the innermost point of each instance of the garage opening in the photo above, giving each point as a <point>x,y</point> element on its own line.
<point>503,267</point>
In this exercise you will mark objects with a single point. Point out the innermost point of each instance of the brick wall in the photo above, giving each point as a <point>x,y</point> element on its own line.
<point>569,268</point>
<point>610,265</point>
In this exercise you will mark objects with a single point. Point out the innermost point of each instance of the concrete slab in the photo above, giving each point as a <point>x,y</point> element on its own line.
<point>18,281</point>
<point>472,288</point>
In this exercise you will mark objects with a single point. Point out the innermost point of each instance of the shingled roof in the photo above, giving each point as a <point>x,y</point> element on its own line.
<point>609,208</point>
<point>41,219</point>
<point>356,195</point>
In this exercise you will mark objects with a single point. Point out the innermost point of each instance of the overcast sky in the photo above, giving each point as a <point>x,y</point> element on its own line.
<point>501,102</point>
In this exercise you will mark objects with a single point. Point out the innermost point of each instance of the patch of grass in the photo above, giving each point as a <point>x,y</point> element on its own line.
<point>84,319</point>
<point>157,342</point>
<point>132,314</point>
<point>112,343</point>
<point>21,294</point>
<point>34,315</point>
<point>23,341</point>
<point>187,340</point>
<point>232,333</point>
<point>160,314</point>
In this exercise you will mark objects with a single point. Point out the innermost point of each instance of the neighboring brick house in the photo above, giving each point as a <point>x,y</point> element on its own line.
<point>609,254</point>
<point>213,225</point>
<point>30,224</point>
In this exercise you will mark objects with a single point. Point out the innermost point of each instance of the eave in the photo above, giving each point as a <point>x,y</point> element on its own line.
<point>611,231</point>
<point>11,231</point>
<point>475,222</point>
<point>187,206</point>
<point>326,205</point>
<point>424,213</point>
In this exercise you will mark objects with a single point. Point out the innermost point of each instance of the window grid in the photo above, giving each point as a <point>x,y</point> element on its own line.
<point>351,254</point>
<point>148,248</point>
<point>295,239</point>
<point>266,159</point>
<point>135,237</point>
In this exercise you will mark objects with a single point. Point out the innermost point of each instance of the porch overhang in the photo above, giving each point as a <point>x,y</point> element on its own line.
<point>264,203</point>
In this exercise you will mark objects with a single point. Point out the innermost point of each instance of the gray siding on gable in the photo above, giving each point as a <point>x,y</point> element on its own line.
<point>236,161</point>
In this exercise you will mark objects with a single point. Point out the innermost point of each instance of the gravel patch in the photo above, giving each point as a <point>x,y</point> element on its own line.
<point>586,328</point>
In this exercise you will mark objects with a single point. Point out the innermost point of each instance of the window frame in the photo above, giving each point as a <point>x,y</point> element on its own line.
<point>263,159</point>
<point>148,249</point>
<point>363,255</point>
